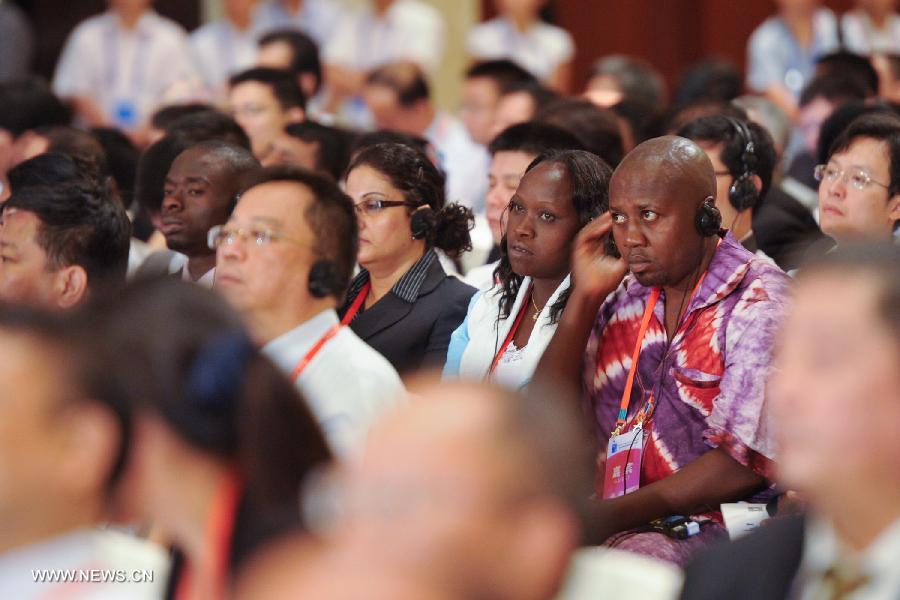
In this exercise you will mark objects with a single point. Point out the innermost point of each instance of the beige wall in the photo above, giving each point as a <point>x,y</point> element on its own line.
<point>459,14</point>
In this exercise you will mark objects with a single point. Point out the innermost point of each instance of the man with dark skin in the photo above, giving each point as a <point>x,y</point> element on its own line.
<point>697,394</point>
<point>200,191</point>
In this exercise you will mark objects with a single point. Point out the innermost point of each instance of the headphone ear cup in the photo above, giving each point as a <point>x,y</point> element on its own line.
<point>709,219</point>
<point>421,222</point>
<point>742,194</point>
<point>323,279</point>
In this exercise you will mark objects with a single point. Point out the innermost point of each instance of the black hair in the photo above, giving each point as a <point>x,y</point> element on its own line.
<point>84,148</point>
<point>304,52</point>
<point>208,125</point>
<point>540,95</point>
<point>589,176</point>
<point>644,121</point>
<point>49,168</point>
<point>80,224</point>
<point>838,121</point>
<point>283,84</point>
<point>533,138</point>
<point>387,136</point>
<point>637,78</point>
<point>332,145</point>
<point>850,65</point>
<point>121,159</point>
<point>180,352</point>
<point>676,119</point>
<point>405,79</point>
<point>597,128</point>
<point>882,127</point>
<point>30,103</point>
<point>834,87</point>
<point>719,129</point>
<point>880,260</point>
<point>711,79</point>
<point>165,116</point>
<point>153,167</point>
<point>330,217</point>
<point>422,184</point>
<point>503,72</point>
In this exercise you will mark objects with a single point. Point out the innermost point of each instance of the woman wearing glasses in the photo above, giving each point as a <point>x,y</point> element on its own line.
<point>509,325</point>
<point>402,303</point>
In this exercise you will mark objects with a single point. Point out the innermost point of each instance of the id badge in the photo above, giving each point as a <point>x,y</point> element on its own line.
<point>125,114</point>
<point>623,464</point>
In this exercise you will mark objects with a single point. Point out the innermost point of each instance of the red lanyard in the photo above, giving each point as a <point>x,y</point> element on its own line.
<point>647,410</point>
<point>509,338</point>
<point>219,534</point>
<point>304,362</point>
<point>357,304</point>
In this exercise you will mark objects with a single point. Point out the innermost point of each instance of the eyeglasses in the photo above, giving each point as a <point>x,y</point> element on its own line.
<point>261,236</point>
<point>858,178</point>
<point>374,206</point>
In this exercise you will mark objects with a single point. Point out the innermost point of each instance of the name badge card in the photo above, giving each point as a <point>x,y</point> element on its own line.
<point>623,464</point>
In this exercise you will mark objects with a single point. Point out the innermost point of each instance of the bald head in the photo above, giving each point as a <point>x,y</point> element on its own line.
<point>669,165</point>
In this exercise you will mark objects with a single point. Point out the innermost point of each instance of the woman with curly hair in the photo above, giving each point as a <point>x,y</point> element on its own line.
<point>509,325</point>
<point>403,303</point>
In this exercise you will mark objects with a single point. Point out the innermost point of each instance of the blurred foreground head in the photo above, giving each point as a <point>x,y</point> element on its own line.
<point>475,489</point>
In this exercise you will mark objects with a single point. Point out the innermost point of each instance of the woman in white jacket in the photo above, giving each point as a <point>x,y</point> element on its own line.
<point>509,325</point>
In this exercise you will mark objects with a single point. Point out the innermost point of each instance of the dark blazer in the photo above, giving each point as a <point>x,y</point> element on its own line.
<point>761,565</point>
<point>413,335</point>
<point>785,229</point>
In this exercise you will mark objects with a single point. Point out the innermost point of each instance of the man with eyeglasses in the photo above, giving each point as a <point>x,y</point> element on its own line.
<point>284,259</point>
<point>859,190</point>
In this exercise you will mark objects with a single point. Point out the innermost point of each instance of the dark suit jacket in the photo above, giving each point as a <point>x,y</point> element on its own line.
<point>415,335</point>
<point>785,229</point>
<point>761,565</point>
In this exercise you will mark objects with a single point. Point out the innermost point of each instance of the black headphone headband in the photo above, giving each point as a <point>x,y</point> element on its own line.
<point>743,193</point>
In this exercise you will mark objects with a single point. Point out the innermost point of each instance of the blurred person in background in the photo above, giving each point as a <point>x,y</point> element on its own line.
<point>118,67</point>
<point>16,43</point>
<point>616,77</point>
<point>483,86</point>
<point>711,79</point>
<point>872,27</point>
<point>378,33</point>
<point>318,19</point>
<point>61,243</point>
<point>782,51</point>
<point>511,153</point>
<point>284,260</point>
<point>200,191</point>
<point>224,47</point>
<point>219,441</point>
<point>840,347</point>
<point>402,302</point>
<point>509,325</point>
<point>481,493</point>
<point>597,129</point>
<point>859,189</point>
<point>399,98</point>
<point>294,51</point>
<point>61,457</point>
<point>519,34</point>
<point>314,147</point>
<point>264,101</point>
<point>888,67</point>
<point>519,103</point>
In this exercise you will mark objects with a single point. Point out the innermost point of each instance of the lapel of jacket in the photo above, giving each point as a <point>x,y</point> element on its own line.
<point>392,308</point>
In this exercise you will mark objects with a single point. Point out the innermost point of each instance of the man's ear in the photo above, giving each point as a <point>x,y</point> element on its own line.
<point>93,443</point>
<point>71,286</point>
<point>295,114</point>
<point>757,183</point>
<point>894,208</point>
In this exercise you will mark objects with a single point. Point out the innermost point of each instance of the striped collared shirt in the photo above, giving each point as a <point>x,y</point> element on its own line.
<point>409,285</point>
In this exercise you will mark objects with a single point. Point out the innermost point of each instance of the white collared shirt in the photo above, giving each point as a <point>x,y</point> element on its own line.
<point>206,280</point>
<point>85,554</point>
<point>863,37</point>
<point>410,30</point>
<point>821,550</point>
<point>128,73</point>
<point>541,50</point>
<point>221,50</point>
<point>348,385</point>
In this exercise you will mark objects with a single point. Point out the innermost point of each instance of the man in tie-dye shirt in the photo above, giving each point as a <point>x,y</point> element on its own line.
<point>704,358</point>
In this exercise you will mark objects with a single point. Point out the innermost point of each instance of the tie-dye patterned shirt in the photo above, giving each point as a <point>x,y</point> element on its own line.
<point>709,382</point>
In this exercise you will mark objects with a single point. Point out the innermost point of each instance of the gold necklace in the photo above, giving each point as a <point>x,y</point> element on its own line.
<point>537,309</point>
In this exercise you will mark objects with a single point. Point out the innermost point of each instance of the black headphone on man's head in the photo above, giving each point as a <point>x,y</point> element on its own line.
<point>743,193</point>
<point>709,219</point>
<point>325,279</point>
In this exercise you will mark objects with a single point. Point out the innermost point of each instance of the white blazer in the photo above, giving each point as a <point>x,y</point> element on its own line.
<point>477,340</point>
